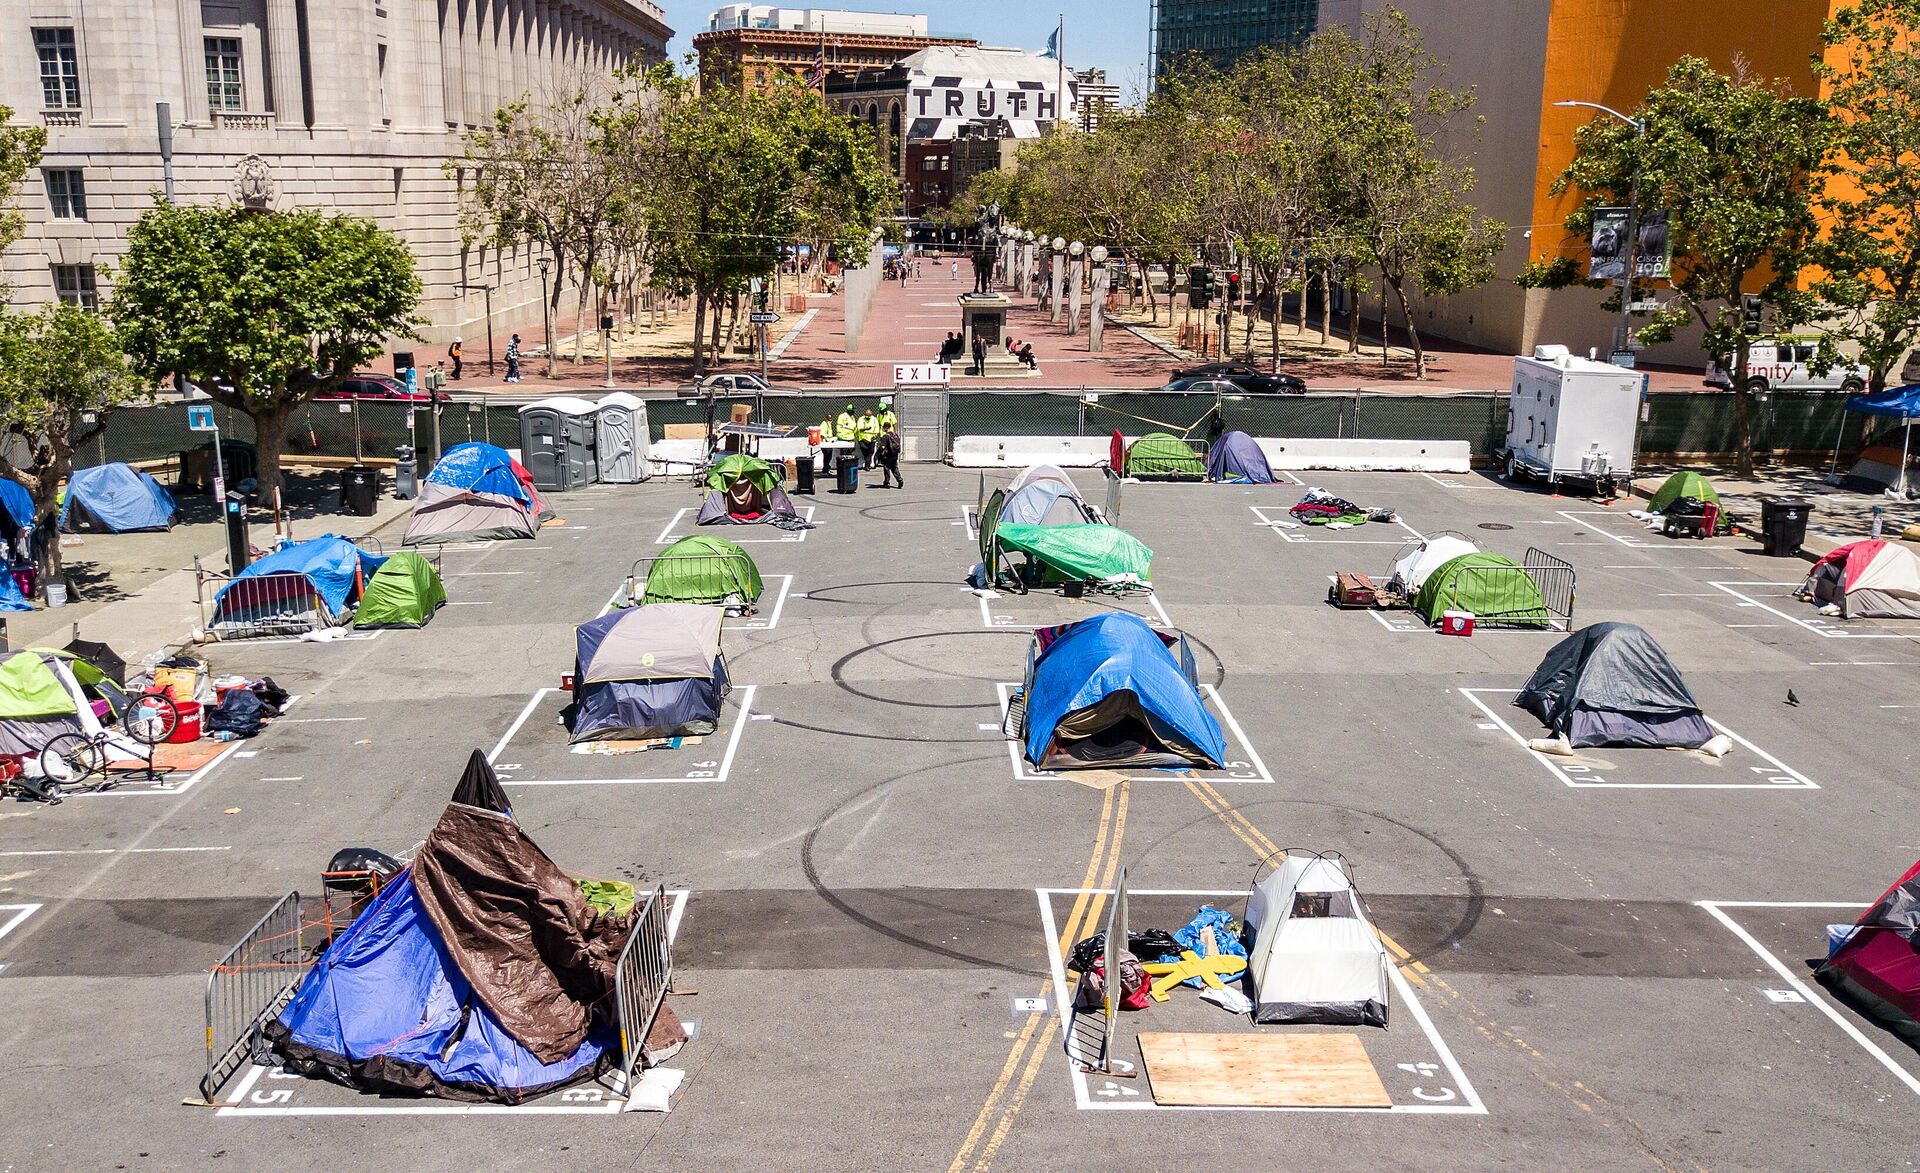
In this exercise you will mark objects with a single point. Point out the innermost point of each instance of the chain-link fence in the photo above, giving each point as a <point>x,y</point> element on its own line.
<point>1701,424</point>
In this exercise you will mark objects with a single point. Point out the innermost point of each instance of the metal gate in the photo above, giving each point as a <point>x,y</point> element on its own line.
<point>248,987</point>
<point>642,978</point>
<point>923,423</point>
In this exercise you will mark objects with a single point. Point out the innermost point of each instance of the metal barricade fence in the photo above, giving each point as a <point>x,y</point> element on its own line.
<point>249,986</point>
<point>1111,513</point>
<point>1555,578</point>
<point>641,981</point>
<point>694,578</point>
<point>1536,595</point>
<point>261,606</point>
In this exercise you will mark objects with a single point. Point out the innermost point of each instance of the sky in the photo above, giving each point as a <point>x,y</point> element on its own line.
<point>1108,34</point>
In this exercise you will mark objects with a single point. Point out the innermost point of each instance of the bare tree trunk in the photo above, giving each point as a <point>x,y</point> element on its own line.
<point>1386,353</point>
<point>269,441</point>
<point>579,320</point>
<point>1742,411</point>
<point>1326,303</point>
<point>1353,316</point>
<point>1273,339</point>
<point>699,322</point>
<point>1413,334</point>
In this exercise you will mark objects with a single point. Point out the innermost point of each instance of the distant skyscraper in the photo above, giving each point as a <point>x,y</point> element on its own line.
<point>1097,96</point>
<point>1223,31</point>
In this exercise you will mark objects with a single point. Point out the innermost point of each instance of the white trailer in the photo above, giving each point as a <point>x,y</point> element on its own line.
<point>1572,419</point>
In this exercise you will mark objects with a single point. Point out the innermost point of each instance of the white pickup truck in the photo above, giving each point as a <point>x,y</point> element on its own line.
<point>1781,364</point>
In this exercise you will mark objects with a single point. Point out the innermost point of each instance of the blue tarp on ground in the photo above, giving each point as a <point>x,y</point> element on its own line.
<point>17,502</point>
<point>328,562</point>
<point>118,499</point>
<point>1112,653</point>
<point>1901,402</point>
<point>10,597</point>
<point>480,468</point>
<point>1236,457</point>
<point>388,999</point>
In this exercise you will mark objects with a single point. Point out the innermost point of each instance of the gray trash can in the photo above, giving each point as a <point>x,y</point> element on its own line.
<point>406,474</point>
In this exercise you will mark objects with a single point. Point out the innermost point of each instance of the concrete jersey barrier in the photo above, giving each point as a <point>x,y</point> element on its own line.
<point>1351,455</point>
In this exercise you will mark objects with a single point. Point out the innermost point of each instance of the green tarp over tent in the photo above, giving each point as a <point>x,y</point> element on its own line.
<point>1161,456</point>
<point>1487,585</point>
<point>404,592</point>
<point>1683,484</point>
<point>702,569</point>
<point>1096,552</point>
<point>737,467</point>
<point>28,688</point>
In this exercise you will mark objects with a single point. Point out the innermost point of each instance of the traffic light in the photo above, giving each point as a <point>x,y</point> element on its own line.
<point>1752,312</point>
<point>1199,286</point>
<point>1233,289</point>
<point>760,298</point>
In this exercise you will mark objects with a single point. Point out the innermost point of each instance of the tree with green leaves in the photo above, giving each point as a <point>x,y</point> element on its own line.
<point>1867,261</point>
<point>20,148</point>
<point>1733,160</point>
<point>263,310</point>
<point>742,175</point>
<point>62,372</point>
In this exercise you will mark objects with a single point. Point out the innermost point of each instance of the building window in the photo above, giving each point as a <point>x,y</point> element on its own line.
<point>59,68</point>
<point>74,285</point>
<point>66,193</point>
<point>223,74</point>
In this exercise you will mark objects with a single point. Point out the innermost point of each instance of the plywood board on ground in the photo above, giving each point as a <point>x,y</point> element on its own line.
<point>190,755</point>
<point>1262,1071</point>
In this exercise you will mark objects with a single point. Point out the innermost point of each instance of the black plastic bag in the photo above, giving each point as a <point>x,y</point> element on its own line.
<point>1149,943</point>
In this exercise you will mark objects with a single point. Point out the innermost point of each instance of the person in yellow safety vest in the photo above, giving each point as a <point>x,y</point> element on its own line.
<point>868,431</point>
<point>888,420</point>
<point>843,425</point>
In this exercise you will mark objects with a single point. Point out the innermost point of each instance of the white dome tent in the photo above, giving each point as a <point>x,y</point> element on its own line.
<point>1315,956</point>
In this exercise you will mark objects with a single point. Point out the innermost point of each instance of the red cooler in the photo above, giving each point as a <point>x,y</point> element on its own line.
<point>1456,623</point>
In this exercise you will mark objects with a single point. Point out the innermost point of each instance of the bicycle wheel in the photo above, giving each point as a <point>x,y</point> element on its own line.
<point>72,758</point>
<point>151,719</point>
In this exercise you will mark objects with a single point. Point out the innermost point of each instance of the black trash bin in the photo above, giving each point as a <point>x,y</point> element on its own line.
<point>406,474</point>
<point>847,471</point>
<point>359,489</point>
<point>1783,526</point>
<point>803,474</point>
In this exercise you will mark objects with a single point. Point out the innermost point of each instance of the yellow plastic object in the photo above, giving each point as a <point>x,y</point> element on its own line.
<point>1168,974</point>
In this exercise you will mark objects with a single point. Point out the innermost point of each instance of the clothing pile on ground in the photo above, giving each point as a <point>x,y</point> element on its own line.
<point>244,707</point>
<point>1320,507</point>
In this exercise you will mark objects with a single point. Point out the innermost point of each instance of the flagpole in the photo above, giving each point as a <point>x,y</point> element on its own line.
<point>1060,67</point>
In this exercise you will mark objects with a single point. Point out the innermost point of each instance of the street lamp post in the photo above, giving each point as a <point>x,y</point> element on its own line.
<point>1057,279</point>
<point>1075,268</point>
<point>1623,333</point>
<point>546,312</point>
<point>487,291</point>
<point>1101,275</point>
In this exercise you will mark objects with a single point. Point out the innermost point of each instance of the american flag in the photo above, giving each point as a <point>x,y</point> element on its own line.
<point>817,75</point>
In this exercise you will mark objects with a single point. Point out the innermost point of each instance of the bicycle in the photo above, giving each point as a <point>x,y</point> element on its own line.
<point>69,760</point>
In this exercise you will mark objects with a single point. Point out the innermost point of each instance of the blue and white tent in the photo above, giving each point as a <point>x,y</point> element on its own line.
<point>476,492</point>
<point>479,973</point>
<point>17,503</point>
<point>303,587</point>
<point>1108,691</point>
<point>1236,458</point>
<point>1044,502</point>
<point>115,498</point>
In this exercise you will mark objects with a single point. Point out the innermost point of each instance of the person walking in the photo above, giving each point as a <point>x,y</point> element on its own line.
<point>887,451</point>
<point>979,355</point>
<point>513,359</point>
<point>954,270</point>
<point>867,430</point>
<point>888,420</point>
<point>453,354</point>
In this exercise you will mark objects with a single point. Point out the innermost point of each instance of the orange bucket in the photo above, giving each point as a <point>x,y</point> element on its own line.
<point>189,727</point>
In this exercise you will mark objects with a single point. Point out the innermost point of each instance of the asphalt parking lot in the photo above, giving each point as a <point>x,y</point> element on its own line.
<point>1602,965</point>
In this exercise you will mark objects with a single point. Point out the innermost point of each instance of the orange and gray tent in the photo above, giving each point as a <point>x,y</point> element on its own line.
<point>476,492</point>
<point>649,672</point>
<point>1867,580</point>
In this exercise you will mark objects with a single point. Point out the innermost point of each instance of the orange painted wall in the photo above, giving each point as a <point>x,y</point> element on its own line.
<point>1614,51</point>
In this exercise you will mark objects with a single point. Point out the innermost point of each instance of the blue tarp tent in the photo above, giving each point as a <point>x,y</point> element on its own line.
<point>17,503</point>
<point>10,597</point>
<point>1900,402</point>
<point>302,587</point>
<point>1107,691</point>
<point>115,498</point>
<point>482,468</point>
<point>479,973</point>
<point>1237,458</point>
<point>650,672</point>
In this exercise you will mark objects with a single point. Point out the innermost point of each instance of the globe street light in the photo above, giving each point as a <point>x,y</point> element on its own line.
<point>1075,269</point>
<point>1099,293</point>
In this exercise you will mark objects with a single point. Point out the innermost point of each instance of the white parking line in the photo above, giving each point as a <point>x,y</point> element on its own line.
<point>20,912</point>
<point>113,851</point>
<point>733,533</point>
<point>1775,775</point>
<point>719,773</point>
<point>1715,909</point>
<point>1818,625</point>
<point>1469,1103</point>
<point>1306,534</point>
<point>1003,622</point>
<point>187,783</point>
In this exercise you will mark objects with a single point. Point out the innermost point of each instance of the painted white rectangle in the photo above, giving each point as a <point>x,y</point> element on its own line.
<point>1458,1099</point>
<point>1642,540</point>
<point>132,789</point>
<point>1716,909</point>
<point>717,770</point>
<point>281,1095</point>
<point>735,533</point>
<point>1774,775</point>
<point>1811,621</point>
<point>1243,766</point>
<point>1307,535</point>
<point>997,622</point>
<point>761,620</point>
<point>11,916</point>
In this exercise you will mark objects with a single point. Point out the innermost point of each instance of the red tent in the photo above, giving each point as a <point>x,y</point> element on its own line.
<point>1877,970</point>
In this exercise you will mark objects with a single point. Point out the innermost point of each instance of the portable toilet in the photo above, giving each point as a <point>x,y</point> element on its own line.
<point>558,438</point>
<point>623,439</point>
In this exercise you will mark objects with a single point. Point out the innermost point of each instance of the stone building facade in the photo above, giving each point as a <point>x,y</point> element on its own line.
<point>344,105</point>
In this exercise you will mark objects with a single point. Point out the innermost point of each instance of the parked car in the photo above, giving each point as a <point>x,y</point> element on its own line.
<point>374,387</point>
<point>735,384</point>
<point>1782,364</point>
<point>1240,380</point>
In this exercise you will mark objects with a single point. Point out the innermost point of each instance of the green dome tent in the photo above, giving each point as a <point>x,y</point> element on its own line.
<point>1079,552</point>
<point>703,569</point>
<point>404,592</point>
<point>751,469</point>
<point>1683,484</point>
<point>1161,456</point>
<point>1491,587</point>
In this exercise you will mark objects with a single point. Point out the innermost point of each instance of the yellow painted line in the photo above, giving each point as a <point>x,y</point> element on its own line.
<point>1104,862</point>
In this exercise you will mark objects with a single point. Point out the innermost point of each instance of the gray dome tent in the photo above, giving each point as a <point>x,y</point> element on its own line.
<point>1611,684</point>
